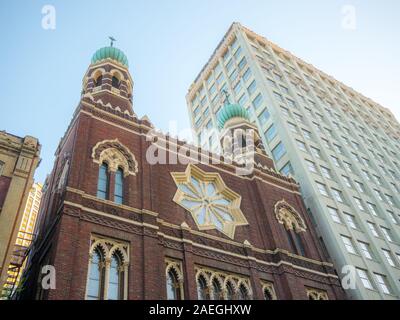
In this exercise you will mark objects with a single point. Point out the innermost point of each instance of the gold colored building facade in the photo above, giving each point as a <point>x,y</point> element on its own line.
<point>19,158</point>
<point>24,238</point>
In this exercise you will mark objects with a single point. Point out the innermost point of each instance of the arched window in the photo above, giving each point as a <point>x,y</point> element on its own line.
<point>119,186</point>
<point>315,294</point>
<point>217,291</point>
<point>299,244</point>
<point>291,240</point>
<point>242,293</point>
<point>230,293</point>
<point>244,142</point>
<point>96,270</point>
<point>202,290</point>
<point>98,81</point>
<point>295,241</point>
<point>268,295</point>
<point>173,286</point>
<point>115,82</point>
<point>108,270</point>
<point>114,278</point>
<point>103,182</point>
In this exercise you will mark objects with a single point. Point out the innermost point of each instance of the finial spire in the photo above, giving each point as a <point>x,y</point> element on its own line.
<point>112,39</point>
<point>226,94</point>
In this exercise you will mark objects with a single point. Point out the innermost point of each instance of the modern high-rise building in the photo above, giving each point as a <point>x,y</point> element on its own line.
<point>342,147</point>
<point>24,239</point>
<point>30,214</point>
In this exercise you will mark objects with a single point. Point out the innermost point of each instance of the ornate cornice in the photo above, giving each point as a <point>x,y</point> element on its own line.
<point>200,243</point>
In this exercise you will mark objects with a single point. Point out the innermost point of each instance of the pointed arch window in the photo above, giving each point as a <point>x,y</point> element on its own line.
<point>108,270</point>
<point>294,225</point>
<point>218,285</point>
<point>299,244</point>
<point>267,295</point>
<point>173,286</point>
<point>216,290</point>
<point>96,276</point>
<point>119,186</point>
<point>103,181</point>
<point>202,289</point>
<point>230,292</point>
<point>242,293</point>
<point>115,278</point>
<point>295,241</point>
<point>291,240</point>
<point>269,292</point>
<point>316,294</point>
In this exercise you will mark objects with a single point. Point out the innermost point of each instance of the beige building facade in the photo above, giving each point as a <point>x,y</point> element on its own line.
<point>19,158</point>
<point>24,238</point>
<point>342,147</point>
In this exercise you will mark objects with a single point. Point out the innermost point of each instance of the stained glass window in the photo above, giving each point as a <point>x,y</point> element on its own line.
<point>212,204</point>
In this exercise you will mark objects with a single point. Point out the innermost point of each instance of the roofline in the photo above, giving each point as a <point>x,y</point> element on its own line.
<point>207,64</point>
<point>294,57</point>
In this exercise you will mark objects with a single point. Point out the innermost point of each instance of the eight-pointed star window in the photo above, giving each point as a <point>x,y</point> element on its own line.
<point>212,204</point>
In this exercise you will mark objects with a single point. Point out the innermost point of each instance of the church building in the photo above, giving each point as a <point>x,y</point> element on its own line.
<point>116,226</point>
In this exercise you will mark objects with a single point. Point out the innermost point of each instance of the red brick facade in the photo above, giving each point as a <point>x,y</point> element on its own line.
<point>150,222</point>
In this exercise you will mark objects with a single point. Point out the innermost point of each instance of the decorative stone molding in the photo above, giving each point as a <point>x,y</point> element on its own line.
<point>176,267</point>
<point>88,97</point>
<point>289,217</point>
<point>109,247</point>
<point>223,279</point>
<point>116,155</point>
<point>316,294</point>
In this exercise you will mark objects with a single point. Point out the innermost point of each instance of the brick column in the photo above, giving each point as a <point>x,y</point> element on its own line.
<point>190,285</point>
<point>154,278</point>
<point>254,275</point>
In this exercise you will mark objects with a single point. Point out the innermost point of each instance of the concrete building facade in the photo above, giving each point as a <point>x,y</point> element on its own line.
<point>342,147</point>
<point>19,158</point>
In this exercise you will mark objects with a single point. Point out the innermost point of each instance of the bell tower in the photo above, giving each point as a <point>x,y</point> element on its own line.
<point>108,79</point>
<point>239,138</point>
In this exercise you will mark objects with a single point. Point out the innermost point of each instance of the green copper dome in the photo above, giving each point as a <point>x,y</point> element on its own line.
<point>230,111</point>
<point>112,53</point>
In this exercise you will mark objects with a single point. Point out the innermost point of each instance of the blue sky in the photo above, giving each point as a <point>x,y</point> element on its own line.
<point>167,43</point>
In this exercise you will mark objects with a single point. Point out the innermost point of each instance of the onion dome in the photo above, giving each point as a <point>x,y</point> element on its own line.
<point>110,53</point>
<point>230,111</point>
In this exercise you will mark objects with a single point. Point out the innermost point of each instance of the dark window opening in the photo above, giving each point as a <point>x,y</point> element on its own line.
<point>115,82</point>
<point>98,81</point>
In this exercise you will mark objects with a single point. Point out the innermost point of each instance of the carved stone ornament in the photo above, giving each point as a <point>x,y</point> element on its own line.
<point>116,155</point>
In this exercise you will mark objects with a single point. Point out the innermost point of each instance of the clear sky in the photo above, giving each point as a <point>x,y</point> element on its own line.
<point>167,43</point>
